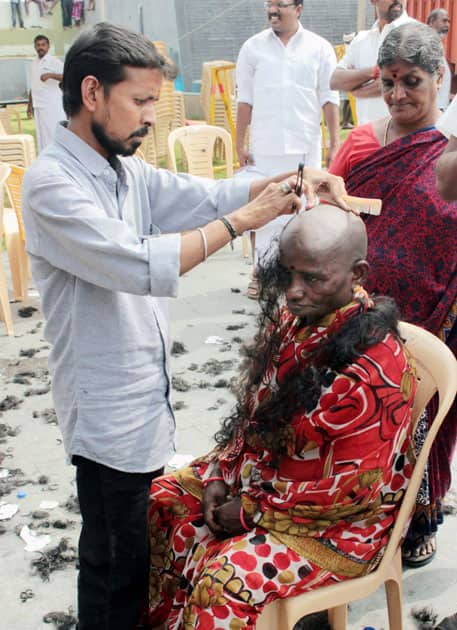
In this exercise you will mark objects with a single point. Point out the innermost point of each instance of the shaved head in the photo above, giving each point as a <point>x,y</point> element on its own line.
<point>326,230</point>
<point>324,250</point>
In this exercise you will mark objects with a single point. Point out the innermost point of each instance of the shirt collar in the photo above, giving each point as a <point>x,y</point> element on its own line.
<point>299,32</point>
<point>84,153</point>
<point>404,17</point>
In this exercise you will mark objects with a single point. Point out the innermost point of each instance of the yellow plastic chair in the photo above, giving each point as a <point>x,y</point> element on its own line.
<point>5,310</point>
<point>437,372</point>
<point>15,235</point>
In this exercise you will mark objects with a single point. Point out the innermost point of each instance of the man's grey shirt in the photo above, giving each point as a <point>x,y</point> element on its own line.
<point>104,248</point>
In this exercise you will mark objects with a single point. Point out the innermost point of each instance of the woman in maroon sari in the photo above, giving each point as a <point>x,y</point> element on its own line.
<point>412,250</point>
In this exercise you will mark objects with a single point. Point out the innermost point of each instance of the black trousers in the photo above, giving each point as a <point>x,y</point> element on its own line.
<point>113,546</point>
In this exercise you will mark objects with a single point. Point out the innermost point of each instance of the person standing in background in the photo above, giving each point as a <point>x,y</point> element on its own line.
<point>357,72</point>
<point>45,96</point>
<point>439,20</point>
<point>283,75</point>
<point>16,11</point>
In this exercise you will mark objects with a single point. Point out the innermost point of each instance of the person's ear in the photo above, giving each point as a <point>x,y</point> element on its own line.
<point>360,272</point>
<point>90,92</point>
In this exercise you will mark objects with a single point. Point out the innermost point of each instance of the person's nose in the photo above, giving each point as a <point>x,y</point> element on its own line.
<point>296,288</point>
<point>398,92</point>
<point>149,115</point>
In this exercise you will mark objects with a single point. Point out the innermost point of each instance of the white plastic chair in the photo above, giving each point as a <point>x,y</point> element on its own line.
<point>437,372</point>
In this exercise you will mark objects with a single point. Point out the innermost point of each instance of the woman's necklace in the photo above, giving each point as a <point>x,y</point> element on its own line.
<point>386,131</point>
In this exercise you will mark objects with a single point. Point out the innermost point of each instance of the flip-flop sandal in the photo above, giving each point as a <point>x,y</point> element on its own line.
<point>252,291</point>
<point>415,562</point>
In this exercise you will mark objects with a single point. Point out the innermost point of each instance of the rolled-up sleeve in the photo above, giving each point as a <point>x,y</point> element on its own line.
<point>245,75</point>
<point>65,227</point>
<point>327,66</point>
<point>447,124</point>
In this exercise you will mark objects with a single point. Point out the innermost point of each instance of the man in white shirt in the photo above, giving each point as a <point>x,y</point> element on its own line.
<point>439,20</point>
<point>446,167</point>
<point>45,96</point>
<point>357,72</point>
<point>282,77</point>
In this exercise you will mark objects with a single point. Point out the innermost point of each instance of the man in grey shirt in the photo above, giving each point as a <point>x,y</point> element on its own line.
<point>105,244</point>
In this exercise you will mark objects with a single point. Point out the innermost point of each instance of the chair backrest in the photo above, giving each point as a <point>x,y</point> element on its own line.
<point>5,170</point>
<point>198,143</point>
<point>437,373</point>
<point>148,148</point>
<point>17,149</point>
<point>5,119</point>
<point>14,189</point>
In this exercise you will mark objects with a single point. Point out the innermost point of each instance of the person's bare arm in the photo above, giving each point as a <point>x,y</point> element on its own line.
<point>51,75</point>
<point>332,118</point>
<point>243,120</point>
<point>370,90</point>
<point>30,106</point>
<point>350,79</point>
<point>446,171</point>
<point>266,206</point>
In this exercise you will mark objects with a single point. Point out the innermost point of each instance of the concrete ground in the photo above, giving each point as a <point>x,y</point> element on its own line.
<point>30,448</point>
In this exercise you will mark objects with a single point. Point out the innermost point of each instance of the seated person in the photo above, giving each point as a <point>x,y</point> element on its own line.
<point>305,482</point>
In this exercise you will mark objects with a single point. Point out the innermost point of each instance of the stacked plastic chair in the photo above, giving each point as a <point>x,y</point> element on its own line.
<point>220,91</point>
<point>165,112</point>
<point>18,149</point>
<point>5,310</point>
<point>13,228</point>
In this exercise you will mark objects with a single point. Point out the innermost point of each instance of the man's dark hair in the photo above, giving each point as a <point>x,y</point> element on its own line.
<point>38,37</point>
<point>104,51</point>
<point>298,3</point>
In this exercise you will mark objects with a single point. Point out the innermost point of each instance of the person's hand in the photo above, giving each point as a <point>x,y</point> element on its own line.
<point>331,152</point>
<point>214,495</point>
<point>29,111</point>
<point>370,89</point>
<point>274,200</point>
<point>46,75</point>
<point>229,515</point>
<point>244,156</point>
<point>316,181</point>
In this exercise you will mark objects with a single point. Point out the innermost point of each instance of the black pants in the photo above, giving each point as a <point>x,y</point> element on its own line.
<point>67,7</point>
<point>113,546</point>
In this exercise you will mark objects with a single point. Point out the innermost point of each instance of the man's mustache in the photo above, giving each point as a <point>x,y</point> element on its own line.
<point>143,131</point>
<point>273,14</point>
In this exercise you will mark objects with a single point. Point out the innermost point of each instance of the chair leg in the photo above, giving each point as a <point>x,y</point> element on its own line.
<point>12,241</point>
<point>245,246</point>
<point>394,603</point>
<point>338,617</point>
<point>5,309</point>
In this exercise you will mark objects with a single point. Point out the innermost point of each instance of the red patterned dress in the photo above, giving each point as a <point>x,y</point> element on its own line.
<point>322,514</point>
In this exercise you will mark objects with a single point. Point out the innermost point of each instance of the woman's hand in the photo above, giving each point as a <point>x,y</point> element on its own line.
<point>229,515</point>
<point>214,495</point>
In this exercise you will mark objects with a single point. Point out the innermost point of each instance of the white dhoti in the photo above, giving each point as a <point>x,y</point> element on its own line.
<point>271,165</point>
<point>46,119</point>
